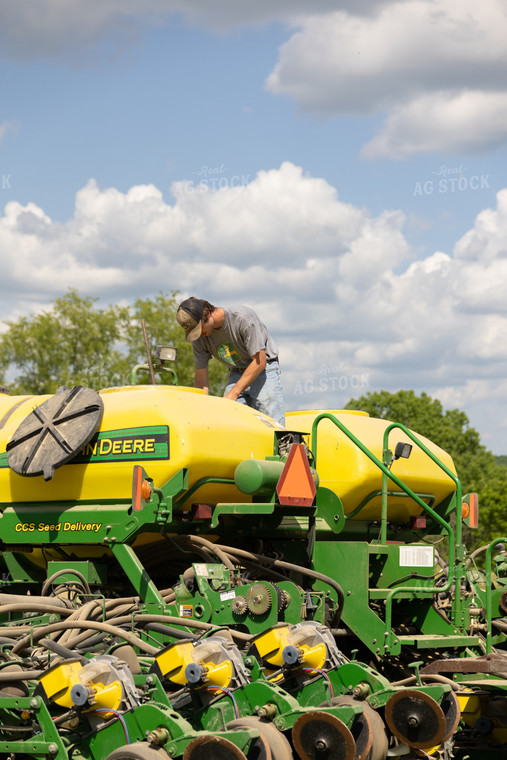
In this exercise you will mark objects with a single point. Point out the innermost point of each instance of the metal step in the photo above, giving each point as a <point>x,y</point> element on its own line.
<point>426,641</point>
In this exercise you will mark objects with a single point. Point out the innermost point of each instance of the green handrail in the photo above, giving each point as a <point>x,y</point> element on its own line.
<point>157,367</point>
<point>389,475</point>
<point>437,461</point>
<point>457,565</point>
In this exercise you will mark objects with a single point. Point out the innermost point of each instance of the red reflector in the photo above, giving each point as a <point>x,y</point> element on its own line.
<point>296,485</point>
<point>146,490</point>
<point>418,522</point>
<point>202,511</point>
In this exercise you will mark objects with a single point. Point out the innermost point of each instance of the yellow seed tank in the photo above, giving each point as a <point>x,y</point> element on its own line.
<point>164,428</point>
<point>167,428</point>
<point>346,470</point>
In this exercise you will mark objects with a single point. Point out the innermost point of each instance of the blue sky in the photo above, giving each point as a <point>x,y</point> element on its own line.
<point>338,166</point>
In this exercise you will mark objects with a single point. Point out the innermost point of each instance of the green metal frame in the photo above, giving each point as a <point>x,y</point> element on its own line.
<point>457,569</point>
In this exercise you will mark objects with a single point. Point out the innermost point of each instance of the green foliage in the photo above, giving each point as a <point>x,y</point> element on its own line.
<point>64,346</point>
<point>77,343</point>
<point>476,466</point>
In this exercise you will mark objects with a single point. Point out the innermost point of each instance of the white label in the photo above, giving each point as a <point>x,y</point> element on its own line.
<point>416,556</point>
<point>201,569</point>
<point>227,595</point>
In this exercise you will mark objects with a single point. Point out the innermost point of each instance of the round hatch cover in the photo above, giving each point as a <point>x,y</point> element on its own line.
<point>54,432</point>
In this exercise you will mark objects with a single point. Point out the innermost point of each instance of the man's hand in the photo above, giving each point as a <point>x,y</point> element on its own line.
<point>201,379</point>
<point>253,370</point>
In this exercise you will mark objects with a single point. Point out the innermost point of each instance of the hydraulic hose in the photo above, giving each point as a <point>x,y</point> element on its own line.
<point>21,675</point>
<point>431,678</point>
<point>176,633</point>
<point>36,634</point>
<point>63,652</point>
<point>69,571</point>
<point>211,547</point>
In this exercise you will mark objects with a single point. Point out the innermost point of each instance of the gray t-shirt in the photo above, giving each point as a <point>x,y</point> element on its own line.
<point>241,336</point>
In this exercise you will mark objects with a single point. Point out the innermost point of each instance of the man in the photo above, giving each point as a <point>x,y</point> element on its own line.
<point>237,338</point>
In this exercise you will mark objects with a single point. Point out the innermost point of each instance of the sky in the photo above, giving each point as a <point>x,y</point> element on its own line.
<point>338,165</point>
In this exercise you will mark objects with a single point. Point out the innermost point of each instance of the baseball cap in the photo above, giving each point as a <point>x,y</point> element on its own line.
<point>189,316</point>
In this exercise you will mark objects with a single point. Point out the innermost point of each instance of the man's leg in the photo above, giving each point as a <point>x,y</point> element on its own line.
<point>266,393</point>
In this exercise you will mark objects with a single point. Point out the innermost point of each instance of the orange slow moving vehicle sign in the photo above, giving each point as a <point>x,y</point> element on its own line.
<point>296,485</point>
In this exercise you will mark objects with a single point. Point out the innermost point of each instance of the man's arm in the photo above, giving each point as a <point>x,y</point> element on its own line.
<point>201,379</point>
<point>253,370</point>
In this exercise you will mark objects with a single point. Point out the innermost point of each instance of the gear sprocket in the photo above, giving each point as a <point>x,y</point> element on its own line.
<point>258,599</point>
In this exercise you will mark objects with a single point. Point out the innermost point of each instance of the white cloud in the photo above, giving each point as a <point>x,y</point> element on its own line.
<point>466,122</point>
<point>484,402</point>
<point>49,28</point>
<point>340,289</point>
<point>282,221</point>
<point>486,241</point>
<point>341,62</point>
<point>113,235</point>
<point>481,255</point>
<point>224,14</point>
<point>434,70</point>
<point>280,215</point>
<point>437,70</point>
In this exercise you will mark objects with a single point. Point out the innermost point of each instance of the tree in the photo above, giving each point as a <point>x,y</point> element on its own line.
<point>73,343</point>
<point>476,466</point>
<point>77,343</point>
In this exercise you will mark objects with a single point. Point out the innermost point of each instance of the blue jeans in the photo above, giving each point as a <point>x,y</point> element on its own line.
<point>264,394</point>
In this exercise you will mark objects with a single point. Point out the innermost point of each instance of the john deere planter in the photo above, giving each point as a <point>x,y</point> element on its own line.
<point>181,577</point>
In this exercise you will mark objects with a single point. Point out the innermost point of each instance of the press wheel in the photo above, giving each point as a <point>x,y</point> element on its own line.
<point>415,718</point>
<point>361,730</point>
<point>318,735</point>
<point>138,751</point>
<point>277,745</point>
<point>380,745</point>
<point>452,713</point>
<point>368,730</point>
<point>212,747</point>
